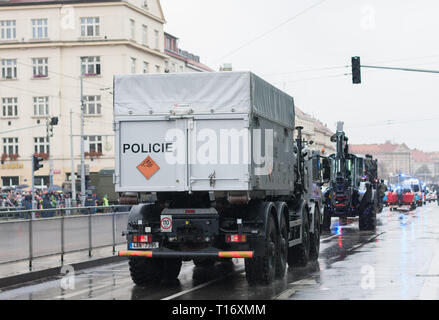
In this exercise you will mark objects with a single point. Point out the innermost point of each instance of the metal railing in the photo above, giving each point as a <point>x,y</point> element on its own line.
<point>58,231</point>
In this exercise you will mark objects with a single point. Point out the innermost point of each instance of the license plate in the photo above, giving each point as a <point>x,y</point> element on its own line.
<point>152,245</point>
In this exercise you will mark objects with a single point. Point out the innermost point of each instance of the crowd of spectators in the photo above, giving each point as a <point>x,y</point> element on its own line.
<point>22,200</point>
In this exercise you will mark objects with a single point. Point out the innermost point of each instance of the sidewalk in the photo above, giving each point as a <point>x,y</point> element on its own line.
<point>16,273</point>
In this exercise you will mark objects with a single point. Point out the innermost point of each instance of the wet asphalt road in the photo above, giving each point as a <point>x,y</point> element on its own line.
<point>398,261</point>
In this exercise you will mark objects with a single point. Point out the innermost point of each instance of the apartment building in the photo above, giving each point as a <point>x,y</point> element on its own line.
<point>45,46</point>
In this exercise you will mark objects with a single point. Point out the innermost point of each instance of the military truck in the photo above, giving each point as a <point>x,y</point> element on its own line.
<point>215,156</point>
<point>352,191</point>
<point>103,181</point>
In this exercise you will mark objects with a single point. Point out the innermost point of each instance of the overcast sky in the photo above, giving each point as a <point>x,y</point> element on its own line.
<point>389,105</point>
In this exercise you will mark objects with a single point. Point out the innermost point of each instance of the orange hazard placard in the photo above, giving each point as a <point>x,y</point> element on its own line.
<point>148,167</point>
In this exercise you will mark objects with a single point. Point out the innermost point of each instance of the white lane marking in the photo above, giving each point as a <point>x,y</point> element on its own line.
<point>430,290</point>
<point>305,282</point>
<point>201,285</point>
<point>285,295</point>
<point>329,238</point>
<point>365,242</point>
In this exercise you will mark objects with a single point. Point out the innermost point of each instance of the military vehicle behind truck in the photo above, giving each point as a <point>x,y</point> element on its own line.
<point>352,190</point>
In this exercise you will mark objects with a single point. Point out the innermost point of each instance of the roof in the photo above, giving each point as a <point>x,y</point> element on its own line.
<point>387,147</point>
<point>5,3</point>
<point>420,156</point>
<point>29,2</point>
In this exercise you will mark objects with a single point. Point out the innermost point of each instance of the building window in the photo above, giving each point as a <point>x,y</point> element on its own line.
<point>145,67</point>
<point>132,29</point>
<point>10,181</point>
<point>40,67</point>
<point>10,107</point>
<point>168,43</point>
<point>41,181</point>
<point>41,106</point>
<point>41,145</point>
<point>144,35</point>
<point>39,28</point>
<point>9,68</point>
<point>90,27</point>
<point>91,66</point>
<point>92,105</point>
<point>10,145</point>
<point>94,143</point>
<point>8,30</point>
<point>133,65</point>
<point>156,34</point>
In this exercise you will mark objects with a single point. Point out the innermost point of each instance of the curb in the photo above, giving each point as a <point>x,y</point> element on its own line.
<point>40,274</point>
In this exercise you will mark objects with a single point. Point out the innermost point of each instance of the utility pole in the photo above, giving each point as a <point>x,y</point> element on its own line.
<point>73,175</point>
<point>48,123</point>
<point>82,143</point>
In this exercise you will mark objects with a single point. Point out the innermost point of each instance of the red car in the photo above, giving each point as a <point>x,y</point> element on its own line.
<point>401,199</point>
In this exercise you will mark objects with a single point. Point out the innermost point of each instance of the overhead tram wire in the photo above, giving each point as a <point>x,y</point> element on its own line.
<point>390,123</point>
<point>270,30</point>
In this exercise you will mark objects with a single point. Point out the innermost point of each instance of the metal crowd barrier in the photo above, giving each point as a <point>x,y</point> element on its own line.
<point>30,234</point>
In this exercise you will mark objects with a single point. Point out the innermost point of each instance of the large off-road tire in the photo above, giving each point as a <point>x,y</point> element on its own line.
<point>145,271</point>
<point>298,256</point>
<point>204,262</point>
<point>149,271</point>
<point>171,268</point>
<point>367,219</point>
<point>315,237</point>
<point>326,226</point>
<point>262,269</point>
<point>282,249</point>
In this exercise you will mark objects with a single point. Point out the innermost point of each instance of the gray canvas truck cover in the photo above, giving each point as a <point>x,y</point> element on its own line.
<point>216,92</point>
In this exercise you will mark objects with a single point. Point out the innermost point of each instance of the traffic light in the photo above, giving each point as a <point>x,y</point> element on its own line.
<point>50,123</point>
<point>54,121</point>
<point>356,70</point>
<point>36,162</point>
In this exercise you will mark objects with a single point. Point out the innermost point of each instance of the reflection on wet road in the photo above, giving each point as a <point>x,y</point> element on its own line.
<point>398,261</point>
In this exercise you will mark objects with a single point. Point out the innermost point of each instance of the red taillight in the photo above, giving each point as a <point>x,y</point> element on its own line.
<point>189,211</point>
<point>236,238</point>
<point>142,238</point>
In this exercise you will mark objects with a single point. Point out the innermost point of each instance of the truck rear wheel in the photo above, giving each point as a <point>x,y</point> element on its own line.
<point>298,255</point>
<point>315,237</point>
<point>144,271</point>
<point>282,254</point>
<point>262,269</point>
<point>171,268</point>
